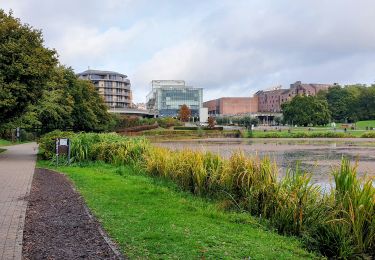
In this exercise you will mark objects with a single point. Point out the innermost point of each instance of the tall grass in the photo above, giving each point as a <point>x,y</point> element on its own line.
<point>340,223</point>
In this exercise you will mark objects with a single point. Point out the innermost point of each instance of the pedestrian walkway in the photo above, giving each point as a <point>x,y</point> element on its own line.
<point>16,171</point>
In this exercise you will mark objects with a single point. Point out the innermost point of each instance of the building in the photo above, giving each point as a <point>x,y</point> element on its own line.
<point>232,105</point>
<point>113,86</point>
<point>141,106</point>
<point>271,100</point>
<point>167,96</point>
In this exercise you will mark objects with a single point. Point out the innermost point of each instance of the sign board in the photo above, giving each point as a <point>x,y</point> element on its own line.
<point>64,141</point>
<point>62,148</point>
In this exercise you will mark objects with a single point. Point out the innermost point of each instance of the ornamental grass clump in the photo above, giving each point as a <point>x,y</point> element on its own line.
<point>297,204</point>
<point>252,181</point>
<point>349,224</point>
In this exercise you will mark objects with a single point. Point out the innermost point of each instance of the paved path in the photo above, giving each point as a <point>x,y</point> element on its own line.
<point>16,171</point>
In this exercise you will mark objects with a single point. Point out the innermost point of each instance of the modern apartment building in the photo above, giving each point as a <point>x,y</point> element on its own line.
<point>271,100</point>
<point>167,97</point>
<point>232,106</point>
<point>114,87</point>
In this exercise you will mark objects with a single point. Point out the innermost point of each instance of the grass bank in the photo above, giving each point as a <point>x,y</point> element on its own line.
<point>5,142</point>
<point>339,223</point>
<point>152,218</point>
<point>305,133</point>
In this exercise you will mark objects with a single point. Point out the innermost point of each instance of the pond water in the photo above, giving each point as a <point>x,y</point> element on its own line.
<point>317,156</point>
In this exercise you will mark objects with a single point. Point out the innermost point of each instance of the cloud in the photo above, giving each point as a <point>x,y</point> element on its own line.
<point>230,48</point>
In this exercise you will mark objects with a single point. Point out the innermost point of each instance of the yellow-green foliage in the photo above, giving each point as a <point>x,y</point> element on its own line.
<point>368,135</point>
<point>349,224</point>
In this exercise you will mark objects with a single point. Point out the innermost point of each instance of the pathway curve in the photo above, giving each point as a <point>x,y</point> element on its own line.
<point>16,171</point>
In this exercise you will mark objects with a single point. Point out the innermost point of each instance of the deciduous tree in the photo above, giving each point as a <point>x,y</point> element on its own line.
<point>25,66</point>
<point>184,113</point>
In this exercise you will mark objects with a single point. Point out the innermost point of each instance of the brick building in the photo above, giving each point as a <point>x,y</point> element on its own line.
<point>271,100</point>
<point>232,105</point>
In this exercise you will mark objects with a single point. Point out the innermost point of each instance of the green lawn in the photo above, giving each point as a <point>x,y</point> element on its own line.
<point>5,142</point>
<point>363,124</point>
<point>150,218</point>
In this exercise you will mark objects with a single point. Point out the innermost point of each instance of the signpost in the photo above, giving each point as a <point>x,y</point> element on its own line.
<point>18,134</point>
<point>62,148</point>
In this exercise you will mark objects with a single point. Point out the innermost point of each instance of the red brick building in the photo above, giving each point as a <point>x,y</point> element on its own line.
<point>271,100</point>
<point>232,105</point>
<point>263,101</point>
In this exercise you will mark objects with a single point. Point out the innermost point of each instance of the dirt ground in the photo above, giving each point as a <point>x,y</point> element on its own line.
<point>58,225</point>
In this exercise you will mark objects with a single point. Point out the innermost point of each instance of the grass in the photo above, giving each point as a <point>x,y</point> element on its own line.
<point>2,150</point>
<point>151,218</point>
<point>305,133</point>
<point>363,124</point>
<point>5,142</point>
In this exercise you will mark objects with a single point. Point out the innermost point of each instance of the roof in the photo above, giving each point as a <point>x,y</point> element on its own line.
<point>101,72</point>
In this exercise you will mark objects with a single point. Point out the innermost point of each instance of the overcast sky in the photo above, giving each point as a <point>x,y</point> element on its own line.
<point>230,48</point>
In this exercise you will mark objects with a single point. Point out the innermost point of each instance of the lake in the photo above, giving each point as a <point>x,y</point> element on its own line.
<point>317,156</point>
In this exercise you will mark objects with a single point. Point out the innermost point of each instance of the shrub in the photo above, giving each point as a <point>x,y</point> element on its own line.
<point>368,135</point>
<point>47,143</point>
<point>138,128</point>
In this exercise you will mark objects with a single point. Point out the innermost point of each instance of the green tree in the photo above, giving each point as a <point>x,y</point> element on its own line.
<point>366,103</point>
<point>25,66</point>
<point>306,110</point>
<point>342,103</point>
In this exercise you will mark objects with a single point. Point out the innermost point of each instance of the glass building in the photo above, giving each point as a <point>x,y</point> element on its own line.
<point>167,97</point>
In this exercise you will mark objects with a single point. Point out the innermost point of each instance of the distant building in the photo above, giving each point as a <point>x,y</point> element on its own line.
<point>271,100</point>
<point>141,106</point>
<point>113,86</point>
<point>167,96</point>
<point>232,105</point>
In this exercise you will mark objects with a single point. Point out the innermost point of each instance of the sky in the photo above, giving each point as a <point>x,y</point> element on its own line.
<point>227,47</point>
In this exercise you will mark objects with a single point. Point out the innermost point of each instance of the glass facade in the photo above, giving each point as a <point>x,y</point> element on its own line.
<point>168,99</point>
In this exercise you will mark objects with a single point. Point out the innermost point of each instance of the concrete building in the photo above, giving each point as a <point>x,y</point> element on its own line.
<point>113,86</point>
<point>167,96</point>
<point>271,100</point>
<point>232,105</point>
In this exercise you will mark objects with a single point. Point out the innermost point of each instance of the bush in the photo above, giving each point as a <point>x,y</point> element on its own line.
<point>368,135</point>
<point>219,128</point>
<point>47,143</point>
<point>185,128</point>
<point>139,128</point>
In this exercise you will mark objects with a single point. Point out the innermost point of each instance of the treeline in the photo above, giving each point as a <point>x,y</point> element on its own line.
<point>350,103</point>
<point>37,92</point>
<point>343,104</point>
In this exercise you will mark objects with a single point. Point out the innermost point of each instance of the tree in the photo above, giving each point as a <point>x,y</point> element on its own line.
<point>68,103</point>
<point>306,110</point>
<point>340,102</point>
<point>366,103</point>
<point>25,66</point>
<point>184,113</point>
<point>211,122</point>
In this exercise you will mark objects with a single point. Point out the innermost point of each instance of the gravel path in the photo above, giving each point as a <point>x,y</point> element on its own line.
<point>58,225</point>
